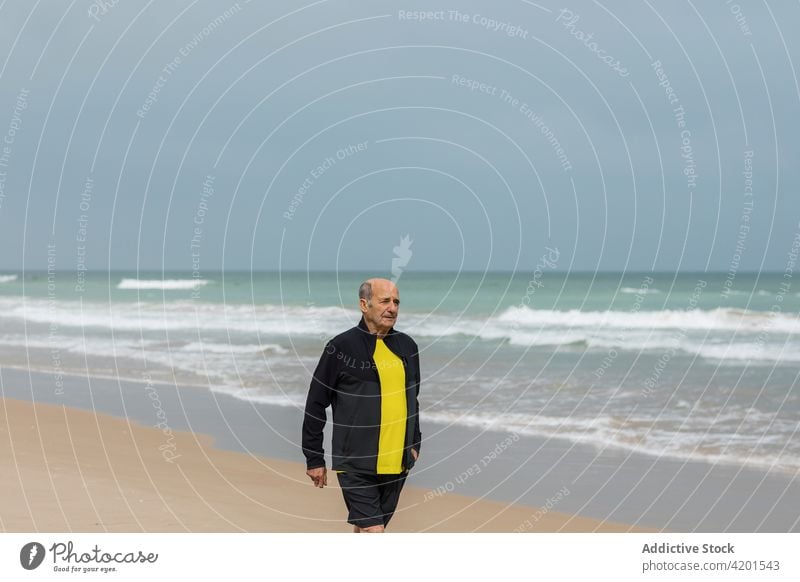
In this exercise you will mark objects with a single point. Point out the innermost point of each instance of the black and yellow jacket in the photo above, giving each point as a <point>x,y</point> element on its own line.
<point>346,379</point>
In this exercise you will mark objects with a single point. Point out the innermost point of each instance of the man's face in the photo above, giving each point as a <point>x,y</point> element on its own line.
<point>382,310</point>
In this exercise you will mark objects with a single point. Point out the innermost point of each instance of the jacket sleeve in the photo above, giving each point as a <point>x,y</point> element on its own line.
<point>417,434</point>
<point>319,398</point>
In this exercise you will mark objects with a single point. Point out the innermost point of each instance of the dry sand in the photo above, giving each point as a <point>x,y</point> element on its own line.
<point>66,469</point>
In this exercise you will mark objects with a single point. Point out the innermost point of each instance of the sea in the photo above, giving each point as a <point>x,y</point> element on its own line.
<point>694,366</point>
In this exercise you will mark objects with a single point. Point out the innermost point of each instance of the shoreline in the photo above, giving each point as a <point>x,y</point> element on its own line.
<point>612,448</point>
<point>67,469</point>
<point>612,488</point>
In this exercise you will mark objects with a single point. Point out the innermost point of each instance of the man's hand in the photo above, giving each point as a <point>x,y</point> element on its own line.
<point>415,454</point>
<point>319,475</point>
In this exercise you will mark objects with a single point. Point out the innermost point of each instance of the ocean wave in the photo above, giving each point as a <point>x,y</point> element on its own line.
<point>698,440</point>
<point>733,351</point>
<point>78,344</point>
<point>138,348</point>
<point>8,278</point>
<point>719,334</point>
<point>636,291</point>
<point>164,284</point>
<point>198,363</point>
<point>182,316</point>
<point>293,400</point>
<point>295,319</point>
<point>258,372</point>
<point>750,352</point>
<point>216,348</point>
<point>721,318</point>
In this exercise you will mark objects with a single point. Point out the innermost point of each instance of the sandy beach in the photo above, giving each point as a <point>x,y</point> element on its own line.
<point>66,469</point>
<point>110,454</point>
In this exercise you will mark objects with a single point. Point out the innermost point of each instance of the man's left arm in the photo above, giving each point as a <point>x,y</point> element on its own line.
<point>417,442</point>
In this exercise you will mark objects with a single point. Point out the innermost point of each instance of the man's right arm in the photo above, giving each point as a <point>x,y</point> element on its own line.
<point>319,398</point>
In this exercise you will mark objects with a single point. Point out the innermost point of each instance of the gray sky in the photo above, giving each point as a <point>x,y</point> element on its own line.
<point>225,135</point>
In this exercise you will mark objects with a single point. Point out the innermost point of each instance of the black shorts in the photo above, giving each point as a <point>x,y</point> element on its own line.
<point>370,499</point>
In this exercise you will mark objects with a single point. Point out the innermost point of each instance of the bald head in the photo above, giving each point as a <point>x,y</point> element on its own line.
<point>375,285</point>
<point>379,300</point>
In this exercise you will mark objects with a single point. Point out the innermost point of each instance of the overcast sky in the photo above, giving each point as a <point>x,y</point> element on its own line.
<point>266,135</point>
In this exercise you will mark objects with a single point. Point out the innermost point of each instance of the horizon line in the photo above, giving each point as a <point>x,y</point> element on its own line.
<point>417,271</point>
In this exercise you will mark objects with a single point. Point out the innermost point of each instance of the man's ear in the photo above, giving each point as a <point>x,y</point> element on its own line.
<point>362,303</point>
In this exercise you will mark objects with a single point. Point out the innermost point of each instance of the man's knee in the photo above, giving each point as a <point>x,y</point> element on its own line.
<point>372,529</point>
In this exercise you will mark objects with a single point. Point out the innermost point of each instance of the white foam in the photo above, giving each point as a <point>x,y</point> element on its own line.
<point>529,327</point>
<point>165,284</point>
<point>719,334</point>
<point>693,441</point>
<point>80,345</point>
<point>7,278</point>
<point>697,319</point>
<point>636,291</point>
<point>738,351</point>
<point>182,315</point>
<point>253,395</point>
<point>683,432</point>
<point>750,352</point>
<point>230,361</point>
<point>215,348</point>
<point>725,334</point>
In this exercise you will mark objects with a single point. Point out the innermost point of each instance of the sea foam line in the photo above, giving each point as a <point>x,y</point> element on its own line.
<point>602,432</point>
<point>165,284</point>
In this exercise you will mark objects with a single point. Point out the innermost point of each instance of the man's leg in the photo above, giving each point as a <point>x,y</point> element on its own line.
<point>390,495</point>
<point>371,529</point>
<point>389,489</point>
<point>362,496</point>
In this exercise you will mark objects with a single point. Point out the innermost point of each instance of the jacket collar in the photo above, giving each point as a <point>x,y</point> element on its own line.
<point>370,339</point>
<point>362,325</point>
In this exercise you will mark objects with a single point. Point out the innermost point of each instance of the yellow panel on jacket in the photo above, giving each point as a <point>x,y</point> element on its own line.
<point>393,410</point>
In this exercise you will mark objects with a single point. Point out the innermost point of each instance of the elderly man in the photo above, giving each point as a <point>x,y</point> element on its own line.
<point>369,376</point>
